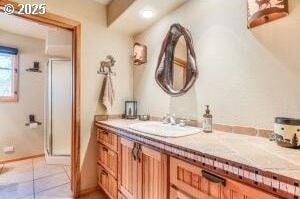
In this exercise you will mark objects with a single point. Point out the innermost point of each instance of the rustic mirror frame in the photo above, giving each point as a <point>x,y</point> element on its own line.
<point>164,71</point>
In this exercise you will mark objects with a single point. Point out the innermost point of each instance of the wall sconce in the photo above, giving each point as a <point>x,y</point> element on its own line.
<point>263,11</point>
<point>139,54</point>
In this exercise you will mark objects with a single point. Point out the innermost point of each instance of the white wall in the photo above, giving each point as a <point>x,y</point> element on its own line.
<point>247,76</point>
<point>97,41</point>
<point>59,43</point>
<point>13,116</point>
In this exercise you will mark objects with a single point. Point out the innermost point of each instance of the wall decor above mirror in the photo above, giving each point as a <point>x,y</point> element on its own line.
<point>263,11</point>
<point>176,70</point>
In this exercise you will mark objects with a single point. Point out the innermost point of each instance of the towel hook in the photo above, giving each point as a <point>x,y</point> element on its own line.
<point>107,65</point>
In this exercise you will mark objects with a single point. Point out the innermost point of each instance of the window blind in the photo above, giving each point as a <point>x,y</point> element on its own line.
<point>8,50</point>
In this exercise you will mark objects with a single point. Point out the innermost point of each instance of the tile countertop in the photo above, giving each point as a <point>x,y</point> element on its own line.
<point>253,151</point>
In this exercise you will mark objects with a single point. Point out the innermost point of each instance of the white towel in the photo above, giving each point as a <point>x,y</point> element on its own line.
<point>109,93</point>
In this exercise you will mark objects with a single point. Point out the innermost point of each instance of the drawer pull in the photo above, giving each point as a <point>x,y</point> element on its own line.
<point>104,173</point>
<point>213,178</point>
<point>139,153</point>
<point>104,149</point>
<point>135,150</point>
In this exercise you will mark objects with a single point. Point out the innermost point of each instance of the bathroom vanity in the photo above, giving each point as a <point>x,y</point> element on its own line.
<point>136,165</point>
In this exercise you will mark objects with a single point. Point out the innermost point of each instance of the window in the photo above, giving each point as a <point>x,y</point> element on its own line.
<point>8,74</point>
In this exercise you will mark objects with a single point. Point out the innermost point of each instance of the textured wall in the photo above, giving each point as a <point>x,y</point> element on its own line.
<point>13,116</point>
<point>247,76</point>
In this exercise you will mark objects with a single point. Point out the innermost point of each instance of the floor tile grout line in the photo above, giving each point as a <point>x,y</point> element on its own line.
<point>54,174</point>
<point>67,172</point>
<point>32,187</point>
<point>33,170</point>
<point>47,176</point>
<point>25,196</point>
<point>20,182</point>
<point>52,188</point>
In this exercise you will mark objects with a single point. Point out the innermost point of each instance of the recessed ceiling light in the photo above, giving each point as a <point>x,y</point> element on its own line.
<point>147,14</point>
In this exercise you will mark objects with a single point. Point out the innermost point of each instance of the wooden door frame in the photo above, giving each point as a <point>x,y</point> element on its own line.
<point>74,26</point>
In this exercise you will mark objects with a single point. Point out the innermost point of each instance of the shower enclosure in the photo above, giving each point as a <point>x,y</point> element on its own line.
<point>58,111</point>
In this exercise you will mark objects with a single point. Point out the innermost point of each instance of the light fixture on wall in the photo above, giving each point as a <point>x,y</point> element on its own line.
<point>263,11</point>
<point>147,13</point>
<point>139,54</point>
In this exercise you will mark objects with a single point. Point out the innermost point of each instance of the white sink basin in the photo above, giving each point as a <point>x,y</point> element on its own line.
<point>164,130</point>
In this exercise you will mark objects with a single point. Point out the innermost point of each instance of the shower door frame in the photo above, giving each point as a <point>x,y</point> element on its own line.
<point>53,20</point>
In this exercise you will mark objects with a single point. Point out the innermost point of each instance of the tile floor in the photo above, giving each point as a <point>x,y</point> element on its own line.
<point>34,179</point>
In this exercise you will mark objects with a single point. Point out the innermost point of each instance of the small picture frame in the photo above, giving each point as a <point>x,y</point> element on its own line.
<point>130,109</point>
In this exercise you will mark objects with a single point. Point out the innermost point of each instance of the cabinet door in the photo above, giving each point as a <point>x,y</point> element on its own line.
<point>235,190</point>
<point>128,170</point>
<point>152,174</point>
<point>189,179</point>
<point>176,194</point>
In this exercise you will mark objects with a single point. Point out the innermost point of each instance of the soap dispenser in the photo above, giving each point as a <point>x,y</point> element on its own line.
<point>207,121</point>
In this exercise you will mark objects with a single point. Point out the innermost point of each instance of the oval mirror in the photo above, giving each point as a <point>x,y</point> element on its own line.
<point>177,71</point>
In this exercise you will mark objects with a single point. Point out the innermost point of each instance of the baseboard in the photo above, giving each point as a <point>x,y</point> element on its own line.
<point>61,160</point>
<point>87,191</point>
<point>22,158</point>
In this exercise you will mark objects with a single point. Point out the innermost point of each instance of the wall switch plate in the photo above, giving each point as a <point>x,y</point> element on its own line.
<point>9,149</point>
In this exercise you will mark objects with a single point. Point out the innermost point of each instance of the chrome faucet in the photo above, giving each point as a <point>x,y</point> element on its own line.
<point>169,119</point>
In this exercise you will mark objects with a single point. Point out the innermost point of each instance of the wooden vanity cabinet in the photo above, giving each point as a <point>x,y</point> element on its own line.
<point>108,162</point>
<point>153,166</point>
<point>143,172</point>
<point>107,138</point>
<point>177,194</point>
<point>108,183</point>
<point>108,159</point>
<point>121,196</point>
<point>129,170</point>
<point>189,182</point>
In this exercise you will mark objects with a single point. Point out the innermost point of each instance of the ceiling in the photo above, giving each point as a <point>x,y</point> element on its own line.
<point>104,2</point>
<point>22,27</point>
<point>131,22</point>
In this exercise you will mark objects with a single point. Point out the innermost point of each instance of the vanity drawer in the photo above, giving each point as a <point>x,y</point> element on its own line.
<point>108,159</point>
<point>108,139</point>
<point>108,183</point>
<point>198,184</point>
